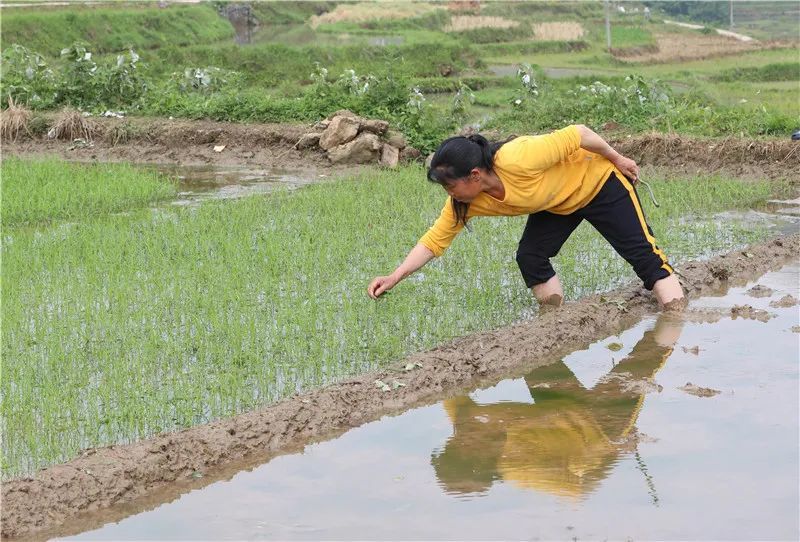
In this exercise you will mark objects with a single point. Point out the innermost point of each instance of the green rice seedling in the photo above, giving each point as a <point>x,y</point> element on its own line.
<point>121,326</point>
<point>46,190</point>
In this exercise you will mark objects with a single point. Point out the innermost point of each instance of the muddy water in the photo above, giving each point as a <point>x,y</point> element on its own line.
<point>198,183</point>
<point>680,427</point>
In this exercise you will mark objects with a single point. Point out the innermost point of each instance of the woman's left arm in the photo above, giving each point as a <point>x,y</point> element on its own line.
<point>592,142</point>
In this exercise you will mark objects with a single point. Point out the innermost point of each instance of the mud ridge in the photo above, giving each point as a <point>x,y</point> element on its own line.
<point>130,478</point>
<point>192,142</point>
<point>772,159</point>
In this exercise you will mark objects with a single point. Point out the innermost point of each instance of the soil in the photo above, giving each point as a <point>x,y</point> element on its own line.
<point>784,302</point>
<point>739,157</point>
<point>750,313</point>
<point>188,142</point>
<point>699,391</point>
<point>116,481</point>
<point>183,142</point>
<point>759,291</point>
<point>684,46</point>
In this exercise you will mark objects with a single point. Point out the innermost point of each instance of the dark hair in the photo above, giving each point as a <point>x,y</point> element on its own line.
<point>455,158</point>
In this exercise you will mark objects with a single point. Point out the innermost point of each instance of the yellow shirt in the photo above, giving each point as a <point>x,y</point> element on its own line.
<point>540,173</point>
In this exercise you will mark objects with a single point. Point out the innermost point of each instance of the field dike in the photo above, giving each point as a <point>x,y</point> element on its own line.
<point>187,142</point>
<point>78,495</point>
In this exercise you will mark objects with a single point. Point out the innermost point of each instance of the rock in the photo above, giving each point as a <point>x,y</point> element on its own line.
<point>341,130</point>
<point>396,139</point>
<point>343,113</point>
<point>409,154</point>
<point>375,126</point>
<point>308,140</point>
<point>428,161</point>
<point>321,125</point>
<point>361,150</point>
<point>390,156</point>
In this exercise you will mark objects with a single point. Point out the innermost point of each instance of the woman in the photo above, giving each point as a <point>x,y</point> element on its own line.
<point>557,179</point>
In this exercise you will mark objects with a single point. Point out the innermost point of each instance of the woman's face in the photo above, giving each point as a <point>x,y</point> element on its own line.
<point>465,189</point>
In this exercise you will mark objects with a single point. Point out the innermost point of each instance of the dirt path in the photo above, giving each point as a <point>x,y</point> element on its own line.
<point>139,476</point>
<point>187,142</point>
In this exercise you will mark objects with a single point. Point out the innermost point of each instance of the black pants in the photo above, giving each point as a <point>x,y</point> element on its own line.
<point>616,213</point>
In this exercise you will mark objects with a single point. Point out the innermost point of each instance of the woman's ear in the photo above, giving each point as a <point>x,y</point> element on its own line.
<point>475,174</point>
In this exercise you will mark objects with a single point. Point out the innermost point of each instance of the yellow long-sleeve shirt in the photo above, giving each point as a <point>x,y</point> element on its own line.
<point>540,173</point>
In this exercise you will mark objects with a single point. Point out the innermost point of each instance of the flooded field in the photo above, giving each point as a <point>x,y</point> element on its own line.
<point>679,427</point>
<point>198,183</point>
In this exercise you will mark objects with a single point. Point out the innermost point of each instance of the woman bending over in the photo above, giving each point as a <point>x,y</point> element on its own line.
<point>558,180</point>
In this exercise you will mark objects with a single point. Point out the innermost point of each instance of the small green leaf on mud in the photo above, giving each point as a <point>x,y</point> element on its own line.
<point>747,255</point>
<point>614,347</point>
<point>197,474</point>
<point>383,386</point>
<point>412,366</point>
<point>397,384</point>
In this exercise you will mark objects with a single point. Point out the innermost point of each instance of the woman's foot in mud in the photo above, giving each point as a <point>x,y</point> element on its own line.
<point>550,303</point>
<point>676,305</point>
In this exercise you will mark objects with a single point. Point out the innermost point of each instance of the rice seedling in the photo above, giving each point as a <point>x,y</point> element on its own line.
<point>122,326</point>
<point>14,120</point>
<point>48,190</point>
<point>72,124</point>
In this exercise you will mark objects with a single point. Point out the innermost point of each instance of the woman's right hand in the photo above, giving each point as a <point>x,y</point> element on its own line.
<point>380,285</point>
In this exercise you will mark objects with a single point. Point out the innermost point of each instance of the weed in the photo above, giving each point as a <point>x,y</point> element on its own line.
<point>14,120</point>
<point>72,124</point>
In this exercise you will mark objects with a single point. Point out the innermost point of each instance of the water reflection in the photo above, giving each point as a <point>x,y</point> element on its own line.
<point>568,440</point>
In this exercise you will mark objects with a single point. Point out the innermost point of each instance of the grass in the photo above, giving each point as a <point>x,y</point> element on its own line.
<point>50,190</point>
<point>112,29</point>
<point>120,326</point>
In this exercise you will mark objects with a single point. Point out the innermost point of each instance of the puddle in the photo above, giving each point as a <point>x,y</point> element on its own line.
<point>602,444</point>
<point>383,41</point>
<point>779,220</point>
<point>198,183</point>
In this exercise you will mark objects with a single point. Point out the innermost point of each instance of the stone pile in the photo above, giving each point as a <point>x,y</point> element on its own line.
<point>350,139</point>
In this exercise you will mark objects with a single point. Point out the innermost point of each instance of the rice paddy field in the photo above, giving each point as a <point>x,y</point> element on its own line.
<point>128,313</point>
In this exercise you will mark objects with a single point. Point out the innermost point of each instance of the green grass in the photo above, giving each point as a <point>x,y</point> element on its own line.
<point>778,71</point>
<point>120,326</point>
<point>112,29</point>
<point>49,190</point>
<point>623,37</point>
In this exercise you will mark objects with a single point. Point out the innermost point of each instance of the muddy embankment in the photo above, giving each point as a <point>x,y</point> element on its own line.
<point>117,481</point>
<point>187,142</point>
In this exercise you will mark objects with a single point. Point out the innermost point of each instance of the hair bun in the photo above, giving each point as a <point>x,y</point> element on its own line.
<point>479,139</point>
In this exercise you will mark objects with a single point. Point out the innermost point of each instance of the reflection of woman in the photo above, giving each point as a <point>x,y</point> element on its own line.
<point>565,443</point>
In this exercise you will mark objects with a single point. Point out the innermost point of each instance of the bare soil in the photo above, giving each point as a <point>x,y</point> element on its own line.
<point>676,47</point>
<point>110,483</point>
<point>182,142</point>
<point>187,142</point>
<point>739,157</point>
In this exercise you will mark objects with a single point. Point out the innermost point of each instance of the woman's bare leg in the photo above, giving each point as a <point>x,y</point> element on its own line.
<point>549,293</point>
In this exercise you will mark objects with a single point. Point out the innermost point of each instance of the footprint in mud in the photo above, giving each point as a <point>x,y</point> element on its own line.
<point>699,391</point>
<point>785,301</point>
<point>750,313</point>
<point>760,291</point>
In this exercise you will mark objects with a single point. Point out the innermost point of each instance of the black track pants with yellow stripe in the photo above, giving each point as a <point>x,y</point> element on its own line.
<point>616,213</point>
